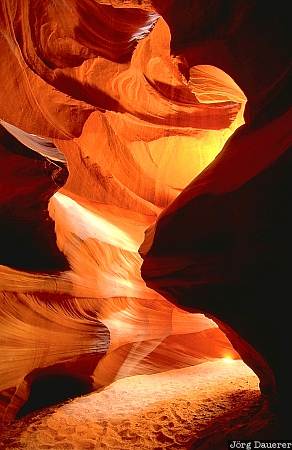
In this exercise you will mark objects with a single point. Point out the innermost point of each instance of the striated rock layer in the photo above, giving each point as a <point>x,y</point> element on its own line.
<point>110,111</point>
<point>231,260</point>
<point>99,117</point>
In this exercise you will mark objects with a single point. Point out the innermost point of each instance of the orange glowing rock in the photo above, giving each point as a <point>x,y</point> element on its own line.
<point>232,258</point>
<point>133,131</point>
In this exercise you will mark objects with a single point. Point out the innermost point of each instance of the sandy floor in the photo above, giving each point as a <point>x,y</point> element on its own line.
<point>205,404</point>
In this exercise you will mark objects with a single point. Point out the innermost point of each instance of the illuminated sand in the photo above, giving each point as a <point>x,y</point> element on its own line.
<point>170,410</point>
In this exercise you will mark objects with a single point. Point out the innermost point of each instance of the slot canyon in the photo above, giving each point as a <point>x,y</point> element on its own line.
<point>145,226</point>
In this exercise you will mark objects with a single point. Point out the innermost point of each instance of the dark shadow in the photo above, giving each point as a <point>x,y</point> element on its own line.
<point>51,389</point>
<point>27,233</point>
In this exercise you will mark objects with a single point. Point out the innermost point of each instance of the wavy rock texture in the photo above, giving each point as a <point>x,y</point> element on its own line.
<point>231,261</point>
<point>106,124</point>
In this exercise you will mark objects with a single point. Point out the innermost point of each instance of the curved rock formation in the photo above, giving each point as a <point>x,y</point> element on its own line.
<point>113,108</point>
<point>231,260</point>
<point>109,111</point>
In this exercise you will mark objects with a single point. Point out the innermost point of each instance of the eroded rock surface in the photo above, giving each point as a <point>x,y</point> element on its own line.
<point>95,90</point>
<point>231,260</point>
<point>135,100</point>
